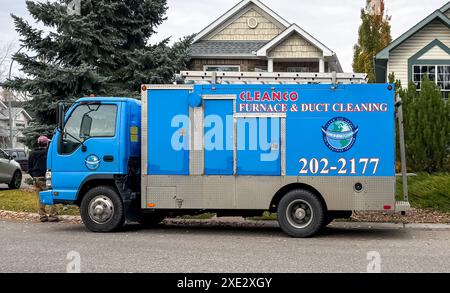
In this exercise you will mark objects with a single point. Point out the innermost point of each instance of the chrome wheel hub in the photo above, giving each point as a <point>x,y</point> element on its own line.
<point>299,214</point>
<point>101,209</point>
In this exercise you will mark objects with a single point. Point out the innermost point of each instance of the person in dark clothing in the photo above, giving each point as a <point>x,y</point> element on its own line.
<point>37,167</point>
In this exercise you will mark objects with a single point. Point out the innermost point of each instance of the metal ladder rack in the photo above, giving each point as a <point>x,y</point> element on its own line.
<point>210,77</point>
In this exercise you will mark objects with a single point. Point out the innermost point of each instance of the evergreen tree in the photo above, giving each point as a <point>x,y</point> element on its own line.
<point>374,35</point>
<point>427,128</point>
<point>102,49</point>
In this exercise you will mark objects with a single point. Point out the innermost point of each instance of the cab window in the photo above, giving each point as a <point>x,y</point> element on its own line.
<point>88,121</point>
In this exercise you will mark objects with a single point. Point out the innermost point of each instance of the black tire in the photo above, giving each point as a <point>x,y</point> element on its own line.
<point>152,219</point>
<point>16,180</point>
<point>293,206</point>
<point>112,214</point>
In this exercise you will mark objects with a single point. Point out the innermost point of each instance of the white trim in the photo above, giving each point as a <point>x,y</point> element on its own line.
<point>168,87</point>
<point>3,105</point>
<point>219,97</point>
<point>287,33</point>
<point>230,13</point>
<point>24,112</point>
<point>205,67</point>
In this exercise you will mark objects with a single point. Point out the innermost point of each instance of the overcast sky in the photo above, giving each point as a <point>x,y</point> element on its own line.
<point>333,22</point>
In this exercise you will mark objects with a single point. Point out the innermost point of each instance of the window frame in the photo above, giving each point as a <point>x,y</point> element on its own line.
<point>61,138</point>
<point>435,74</point>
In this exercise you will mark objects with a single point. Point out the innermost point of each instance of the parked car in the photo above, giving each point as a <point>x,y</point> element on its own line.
<point>10,171</point>
<point>20,156</point>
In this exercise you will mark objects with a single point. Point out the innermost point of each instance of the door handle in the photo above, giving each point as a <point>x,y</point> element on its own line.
<point>108,158</point>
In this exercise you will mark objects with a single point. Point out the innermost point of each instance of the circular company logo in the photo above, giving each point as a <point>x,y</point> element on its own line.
<point>92,162</point>
<point>339,134</point>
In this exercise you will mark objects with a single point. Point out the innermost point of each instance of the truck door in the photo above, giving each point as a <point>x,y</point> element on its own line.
<point>219,137</point>
<point>258,146</point>
<point>89,146</point>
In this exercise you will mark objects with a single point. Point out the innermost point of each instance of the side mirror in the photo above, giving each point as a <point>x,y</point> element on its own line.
<point>86,124</point>
<point>60,116</point>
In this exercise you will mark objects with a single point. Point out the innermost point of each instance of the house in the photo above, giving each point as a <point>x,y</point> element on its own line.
<point>252,37</point>
<point>424,50</point>
<point>21,120</point>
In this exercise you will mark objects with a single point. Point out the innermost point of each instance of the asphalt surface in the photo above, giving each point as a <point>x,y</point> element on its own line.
<point>343,247</point>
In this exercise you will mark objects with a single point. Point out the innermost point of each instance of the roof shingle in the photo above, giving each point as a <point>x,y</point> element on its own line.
<point>226,48</point>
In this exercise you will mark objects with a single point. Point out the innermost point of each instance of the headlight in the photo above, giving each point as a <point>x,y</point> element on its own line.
<point>48,179</point>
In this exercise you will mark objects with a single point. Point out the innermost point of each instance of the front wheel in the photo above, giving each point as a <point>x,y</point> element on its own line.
<point>102,209</point>
<point>16,180</point>
<point>301,214</point>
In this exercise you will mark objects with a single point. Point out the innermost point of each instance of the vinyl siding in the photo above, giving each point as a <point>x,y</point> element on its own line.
<point>436,53</point>
<point>239,30</point>
<point>398,58</point>
<point>295,47</point>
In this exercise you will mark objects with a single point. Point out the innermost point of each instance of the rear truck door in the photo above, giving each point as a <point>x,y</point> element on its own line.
<point>218,137</point>
<point>258,146</point>
<point>90,147</point>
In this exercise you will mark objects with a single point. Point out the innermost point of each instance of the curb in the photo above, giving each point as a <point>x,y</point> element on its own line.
<point>240,222</point>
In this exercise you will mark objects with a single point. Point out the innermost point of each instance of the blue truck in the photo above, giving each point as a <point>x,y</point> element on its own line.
<point>309,151</point>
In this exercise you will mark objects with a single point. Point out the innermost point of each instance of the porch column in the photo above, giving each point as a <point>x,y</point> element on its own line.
<point>321,65</point>
<point>269,65</point>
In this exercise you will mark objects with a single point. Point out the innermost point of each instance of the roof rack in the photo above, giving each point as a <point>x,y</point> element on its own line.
<point>211,77</point>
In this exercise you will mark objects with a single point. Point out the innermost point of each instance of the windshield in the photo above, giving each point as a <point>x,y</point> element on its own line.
<point>102,123</point>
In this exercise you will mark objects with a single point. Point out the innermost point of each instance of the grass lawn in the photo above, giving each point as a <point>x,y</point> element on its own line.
<point>26,201</point>
<point>425,191</point>
<point>428,191</point>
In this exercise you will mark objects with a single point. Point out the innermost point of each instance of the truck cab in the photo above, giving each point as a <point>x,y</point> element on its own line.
<point>96,144</point>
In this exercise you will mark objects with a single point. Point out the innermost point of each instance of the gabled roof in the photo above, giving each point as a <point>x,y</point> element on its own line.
<point>444,8</point>
<point>287,33</point>
<point>438,14</point>
<point>4,113</point>
<point>233,11</point>
<point>226,48</point>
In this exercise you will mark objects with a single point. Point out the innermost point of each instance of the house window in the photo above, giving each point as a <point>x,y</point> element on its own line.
<point>222,68</point>
<point>437,73</point>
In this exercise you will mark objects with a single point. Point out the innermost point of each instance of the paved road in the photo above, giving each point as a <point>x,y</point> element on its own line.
<point>35,247</point>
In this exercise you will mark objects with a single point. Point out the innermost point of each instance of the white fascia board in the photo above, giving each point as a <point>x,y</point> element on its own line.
<point>230,13</point>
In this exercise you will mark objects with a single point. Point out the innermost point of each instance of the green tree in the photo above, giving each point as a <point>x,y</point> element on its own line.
<point>427,128</point>
<point>102,48</point>
<point>373,36</point>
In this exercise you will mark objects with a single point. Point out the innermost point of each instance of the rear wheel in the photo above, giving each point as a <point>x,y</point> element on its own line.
<point>102,209</point>
<point>301,214</point>
<point>16,180</point>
